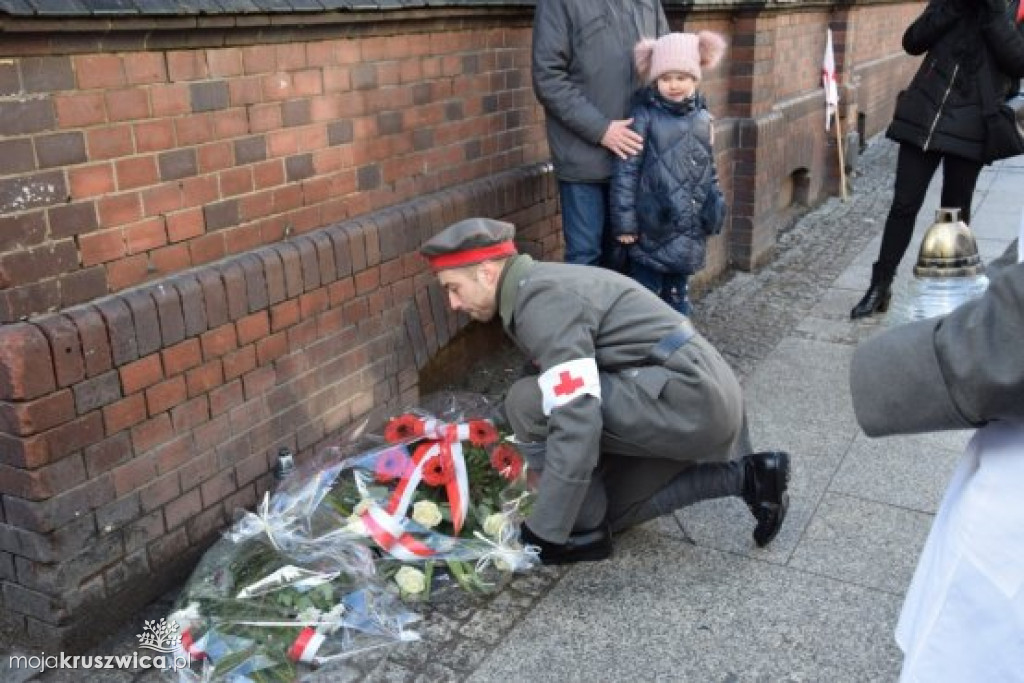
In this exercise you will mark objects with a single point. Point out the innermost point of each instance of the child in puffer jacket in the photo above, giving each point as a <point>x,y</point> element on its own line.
<point>666,201</point>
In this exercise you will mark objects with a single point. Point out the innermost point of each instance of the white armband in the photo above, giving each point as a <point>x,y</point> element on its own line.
<point>567,381</point>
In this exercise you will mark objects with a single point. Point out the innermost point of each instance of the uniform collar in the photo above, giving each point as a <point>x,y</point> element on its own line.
<point>508,287</point>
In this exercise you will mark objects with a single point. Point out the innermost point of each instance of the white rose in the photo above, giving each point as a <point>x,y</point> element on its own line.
<point>426,513</point>
<point>356,526</point>
<point>493,524</point>
<point>411,580</point>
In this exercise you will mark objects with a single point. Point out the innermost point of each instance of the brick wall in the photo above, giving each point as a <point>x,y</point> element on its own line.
<point>207,248</point>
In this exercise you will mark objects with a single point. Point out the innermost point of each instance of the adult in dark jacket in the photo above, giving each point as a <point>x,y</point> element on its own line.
<point>582,69</point>
<point>660,198</point>
<point>938,118</point>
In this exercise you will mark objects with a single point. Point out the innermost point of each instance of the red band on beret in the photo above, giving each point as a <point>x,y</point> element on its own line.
<point>470,256</point>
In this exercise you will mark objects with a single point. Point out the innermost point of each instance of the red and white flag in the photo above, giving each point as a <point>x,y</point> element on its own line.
<point>828,81</point>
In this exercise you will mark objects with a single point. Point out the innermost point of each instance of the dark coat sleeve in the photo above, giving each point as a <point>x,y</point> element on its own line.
<point>626,180</point>
<point>936,20</point>
<point>552,53</point>
<point>1006,44</point>
<point>959,371</point>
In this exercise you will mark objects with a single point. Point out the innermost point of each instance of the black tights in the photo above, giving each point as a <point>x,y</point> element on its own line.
<point>914,171</point>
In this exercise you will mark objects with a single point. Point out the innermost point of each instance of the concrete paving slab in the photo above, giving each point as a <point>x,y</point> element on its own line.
<point>863,543</point>
<point>685,613</point>
<point>904,471</point>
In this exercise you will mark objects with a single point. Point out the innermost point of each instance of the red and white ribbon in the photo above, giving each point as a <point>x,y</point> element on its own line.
<point>390,534</point>
<point>189,646</point>
<point>305,646</point>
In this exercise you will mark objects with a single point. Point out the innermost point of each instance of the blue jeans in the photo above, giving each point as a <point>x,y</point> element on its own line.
<point>671,287</point>
<point>585,223</point>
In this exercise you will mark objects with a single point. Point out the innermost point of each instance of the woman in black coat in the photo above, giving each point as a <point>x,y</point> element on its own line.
<point>939,118</point>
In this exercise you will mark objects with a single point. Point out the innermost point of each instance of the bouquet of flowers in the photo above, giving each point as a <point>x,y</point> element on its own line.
<point>325,567</point>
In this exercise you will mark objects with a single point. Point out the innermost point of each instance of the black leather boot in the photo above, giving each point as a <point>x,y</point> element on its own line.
<point>765,484</point>
<point>581,546</point>
<point>876,299</point>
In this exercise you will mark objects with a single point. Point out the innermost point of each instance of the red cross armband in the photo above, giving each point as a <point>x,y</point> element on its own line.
<point>567,381</point>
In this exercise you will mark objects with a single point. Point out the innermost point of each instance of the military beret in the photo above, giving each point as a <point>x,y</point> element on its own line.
<point>470,241</point>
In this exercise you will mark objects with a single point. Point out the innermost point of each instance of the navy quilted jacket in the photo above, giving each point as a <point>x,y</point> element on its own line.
<point>668,194</point>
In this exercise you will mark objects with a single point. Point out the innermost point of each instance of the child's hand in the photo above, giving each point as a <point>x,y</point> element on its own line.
<point>626,239</point>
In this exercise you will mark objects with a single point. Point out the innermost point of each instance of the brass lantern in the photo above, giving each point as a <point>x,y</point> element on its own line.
<point>949,272</point>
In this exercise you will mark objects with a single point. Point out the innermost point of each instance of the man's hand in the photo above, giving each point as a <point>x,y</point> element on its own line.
<point>626,239</point>
<point>622,140</point>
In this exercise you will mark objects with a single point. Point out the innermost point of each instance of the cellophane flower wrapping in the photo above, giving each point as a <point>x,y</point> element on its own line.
<point>406,503</point>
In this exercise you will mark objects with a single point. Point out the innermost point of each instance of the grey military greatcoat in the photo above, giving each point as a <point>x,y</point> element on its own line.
<point>634,420</point>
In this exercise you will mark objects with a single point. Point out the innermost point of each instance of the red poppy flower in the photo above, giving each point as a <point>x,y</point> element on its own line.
<point>439,470</point>
<point>507,461</point>
<point>403,428</point>
<point>482,433</point>
<point>392,464</point>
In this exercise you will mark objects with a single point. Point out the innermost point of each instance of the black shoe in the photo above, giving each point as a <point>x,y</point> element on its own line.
<point>583,546</point>
<point>876,299</point>
<point>765,492</point>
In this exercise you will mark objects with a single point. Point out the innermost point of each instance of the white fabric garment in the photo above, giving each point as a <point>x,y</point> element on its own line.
<point>963,616</point>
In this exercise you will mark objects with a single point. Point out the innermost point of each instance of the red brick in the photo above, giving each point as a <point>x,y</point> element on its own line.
<point>313,303</point>
<point>98,71</point>
<point>134,474</point>
<point>124,414</point>
<point>219,341</point>
<point>80,109</point>
<point>24,452</point>
<point>107,454</point>
<point>219,487</point>
<point>140,374</point>
<point>44,482</point>
<point>151,433</point>
<point>239,362</point>
<point>215,157</point>
<point>32,417</point>
<point>224,398</point>
<point>128,272</point>
<point>179,510</point>
<point>170,100</point>
<point>204,378</point>
<point>185,225</point>
<point>186,65</point>
<point>224,62</point>
<point>159,492</point>
<point>119,209</point>
<point>136,172</point>
<point>145,235</point>
<point>181,357</point>
<point>26,364</point>
<point>174,454</point>
<point>161,199</point>
<point>145,67</point>
<point>109,142</point>
<point>169,260</point>
<point>196,470</point>
<point>232,123</point>
<point>127,105</point>
<point>101,247</point>
<point>165,395</point>
<point>190,415</point>
<point>154,136</point>
<point>91,181</point>
<point>73,436</point>
<point>199,191</point>
<point>259,382</point>
<point>55,512</point>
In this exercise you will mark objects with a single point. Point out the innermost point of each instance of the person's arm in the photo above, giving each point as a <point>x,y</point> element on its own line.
<point>1005,41</point>
<point>959,371</point>
<point>934,23</point>
<point>557,329</point>
<point>552,54</point>
<point>626,180</point>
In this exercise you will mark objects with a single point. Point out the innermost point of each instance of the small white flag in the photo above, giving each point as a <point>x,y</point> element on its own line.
<point>828,81</point>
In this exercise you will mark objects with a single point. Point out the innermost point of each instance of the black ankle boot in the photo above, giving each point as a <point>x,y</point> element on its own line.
<point>876,299</point>
<point>765,484</point>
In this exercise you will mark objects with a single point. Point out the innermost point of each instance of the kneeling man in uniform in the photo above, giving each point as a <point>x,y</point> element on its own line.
<point>632,414</point>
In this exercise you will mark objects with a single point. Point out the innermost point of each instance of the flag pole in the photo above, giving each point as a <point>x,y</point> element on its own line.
<point>842,161</point>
